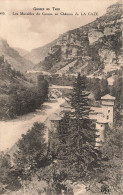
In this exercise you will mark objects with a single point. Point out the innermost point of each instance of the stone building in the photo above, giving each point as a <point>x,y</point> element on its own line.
<point>101,126</point>
<point>103,116</point>
<point>107,102</point>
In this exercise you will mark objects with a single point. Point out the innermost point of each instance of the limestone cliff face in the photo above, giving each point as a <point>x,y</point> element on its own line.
<point>94,36</point>
<point>95,47</point>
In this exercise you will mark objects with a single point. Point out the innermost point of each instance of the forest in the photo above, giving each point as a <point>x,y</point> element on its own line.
<point>69,157</point>
<point>18,95</point>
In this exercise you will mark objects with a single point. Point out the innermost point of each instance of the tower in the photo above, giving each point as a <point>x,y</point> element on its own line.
<point>101,126</point>
<point>107,103</point>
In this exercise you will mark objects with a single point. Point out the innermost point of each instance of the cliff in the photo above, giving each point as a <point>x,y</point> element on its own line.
<point>95,48</point>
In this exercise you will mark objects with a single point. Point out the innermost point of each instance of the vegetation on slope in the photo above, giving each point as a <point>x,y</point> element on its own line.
<point>67,158</point>
<point>12,56</point>
<point>17,95</point>
<point>95,46</point>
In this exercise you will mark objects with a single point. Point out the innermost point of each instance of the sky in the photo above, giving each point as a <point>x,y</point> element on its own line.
<point>32,31</point>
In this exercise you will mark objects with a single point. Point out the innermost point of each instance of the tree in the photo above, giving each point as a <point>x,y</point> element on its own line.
<point>81,109</point>
<point>93,85</point>
<point>96,88</point>
<point>63,145</point>
<point>116,91</point>
<point>82,139</point>
<point>77,155</point>
<point>23,99</point>
<point>104,87</point>
<point>31,152</point>
<point>112,166</point>
<point>8,180</point>
<point>42,88</point>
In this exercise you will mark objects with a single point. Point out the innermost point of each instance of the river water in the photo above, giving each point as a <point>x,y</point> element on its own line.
<point>11,130</point>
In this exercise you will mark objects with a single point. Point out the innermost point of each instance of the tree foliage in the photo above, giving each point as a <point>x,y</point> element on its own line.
<point>76,153</point>
<point>82,138</point>
<point>22,100</point>
<point>8,179</point>
<point>112,151</point>
<point>99,87</point>
<point>116,91</point>
<point>32,151</point>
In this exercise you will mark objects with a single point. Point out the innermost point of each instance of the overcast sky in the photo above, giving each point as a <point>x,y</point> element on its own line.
<point>29,32</point>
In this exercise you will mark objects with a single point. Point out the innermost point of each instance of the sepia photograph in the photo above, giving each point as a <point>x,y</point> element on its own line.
<point>61,97</point>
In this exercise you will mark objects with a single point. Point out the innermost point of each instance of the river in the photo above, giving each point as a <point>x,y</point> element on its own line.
<point>11,130</point>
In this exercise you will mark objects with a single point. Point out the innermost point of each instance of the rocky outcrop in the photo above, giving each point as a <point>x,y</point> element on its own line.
<point>94,36</point>
<point>94,47</point>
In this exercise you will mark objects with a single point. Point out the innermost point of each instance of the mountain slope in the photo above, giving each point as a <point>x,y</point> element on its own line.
<point>95,47</point>
<point>16,92</point>
<point>12,56</point>
<point>22,52</point>
<point>38,54</point>
<point>10,77</point>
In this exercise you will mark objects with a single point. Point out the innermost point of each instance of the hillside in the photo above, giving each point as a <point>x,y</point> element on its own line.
<point>9,76</point>
<point>22,52</point>
<point>39,54</point>
<point>93,49</point>
<point>12,83</point>
<point>19,95</point>
<point>12,56</point>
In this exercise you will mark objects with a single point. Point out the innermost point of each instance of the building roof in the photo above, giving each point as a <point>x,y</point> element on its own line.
<point>108,97</point>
